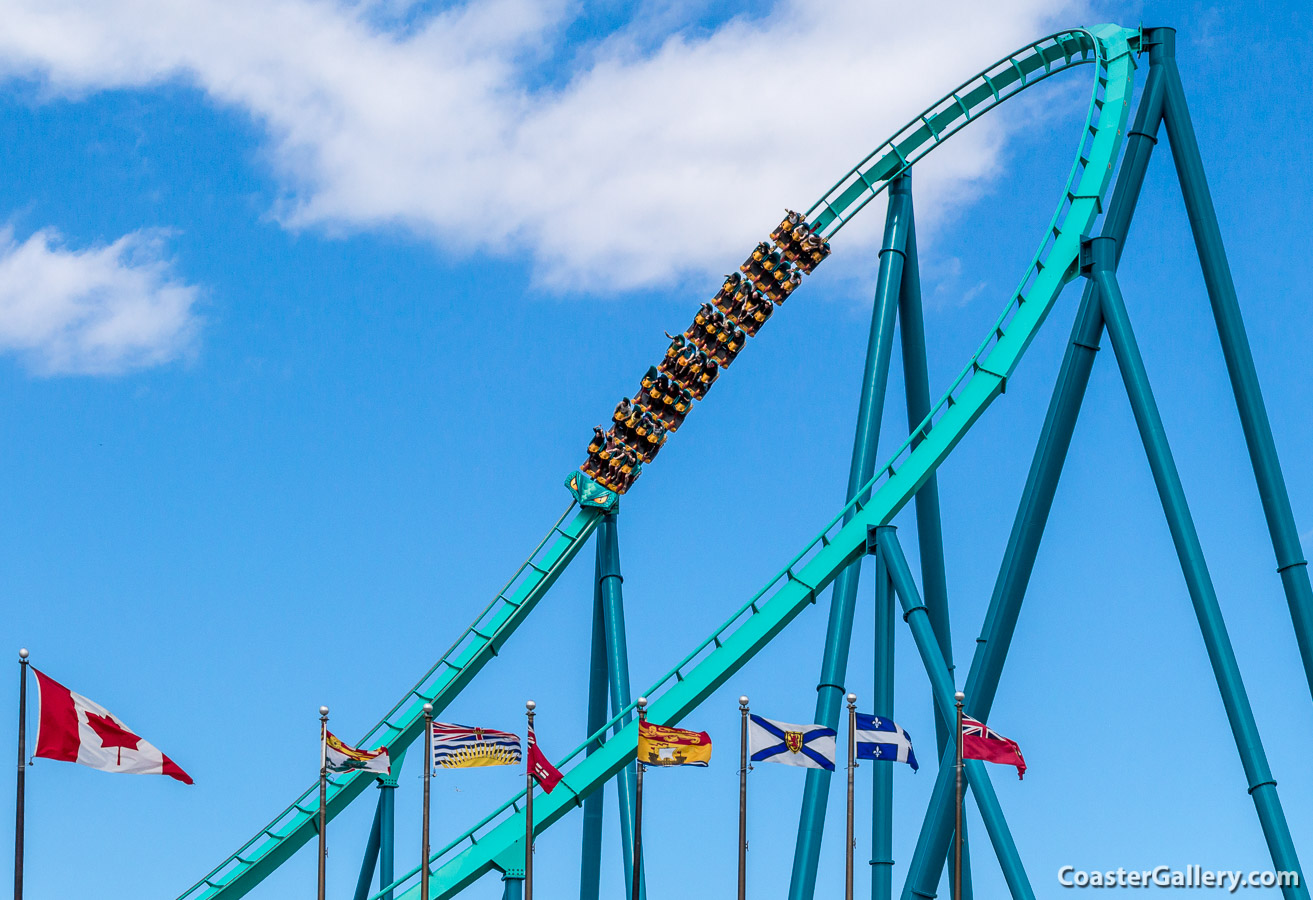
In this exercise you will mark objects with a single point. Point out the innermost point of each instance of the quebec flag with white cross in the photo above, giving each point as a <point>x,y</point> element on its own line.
<point>809,746</point>
<point>883,739</point>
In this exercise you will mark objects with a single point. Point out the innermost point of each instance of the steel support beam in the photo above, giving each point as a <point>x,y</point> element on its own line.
<point>943,689</point>
<point>882,704</point>
<point>590,865</point>
<point>609,581</point>
<point>387,837</point>
<point>1036,503</point>
<point>1272,491</point>
<point>371,854</point>
<point>843,599</point>
<point>381,846</point>
<point>929,528</point>
<point>1262,786</point>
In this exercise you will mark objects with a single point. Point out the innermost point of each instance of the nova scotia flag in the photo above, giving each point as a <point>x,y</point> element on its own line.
<point>809,746</point>
<point>882,739</point>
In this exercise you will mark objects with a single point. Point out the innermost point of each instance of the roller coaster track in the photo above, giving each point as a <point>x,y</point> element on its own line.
<point>495,841</point>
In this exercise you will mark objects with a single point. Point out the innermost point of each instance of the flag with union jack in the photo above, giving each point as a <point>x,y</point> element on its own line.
<point>460,747</point>
<point>979,742</point>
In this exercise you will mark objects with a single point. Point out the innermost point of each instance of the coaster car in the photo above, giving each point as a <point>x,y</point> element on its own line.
<point>610,478</point>
<point>708,322</point>
<point>755,316</point>
<point>667,408</point>
<point>814,251</point>
<point>615,467</point>
<point>727,290</point>
<point>729,299</point>
<point>780,291</point>
<point>754,261</point>
<point>792,245</point>
<point>766,279</point>
<point>641,433</point>
<point>623,410</point>
<point>785,229</point>
<point>691,367</point>
<point>728,344</point>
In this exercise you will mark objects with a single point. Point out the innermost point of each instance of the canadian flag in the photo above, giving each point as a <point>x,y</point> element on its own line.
<point>75,729</point>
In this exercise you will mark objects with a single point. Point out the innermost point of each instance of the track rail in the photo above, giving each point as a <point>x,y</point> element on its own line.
<point>492,842</point>
<point>495,842</point>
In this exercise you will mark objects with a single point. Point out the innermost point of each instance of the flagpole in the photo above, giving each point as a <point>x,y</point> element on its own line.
<point>957,832</point>
<point>743,799</point>
<point>424,828</point>
<point>323,799</point>
<point>528,808</point>
<point>638,804</point>
<point>20,805</point>
<point>852,769</point>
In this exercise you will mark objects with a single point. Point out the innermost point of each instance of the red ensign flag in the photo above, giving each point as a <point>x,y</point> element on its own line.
<point>546,774</point>
<point>978,742</point>
<point>75,729</point>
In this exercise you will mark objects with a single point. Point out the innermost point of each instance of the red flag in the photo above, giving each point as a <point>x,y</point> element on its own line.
<point>546,774</point>
<point>978,742</point>
<point>75,729</point>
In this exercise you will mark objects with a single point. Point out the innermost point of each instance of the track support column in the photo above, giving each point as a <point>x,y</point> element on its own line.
<point>882,697</point>
<point>371,854</point>
<point>843,599</point>
<point>1291,564</point>
<point>929,528</point>
<point>609,582</point>
<point>590,864</point>
<point>387,842</point>
<point>380,846</point>
<point>1098,257</point>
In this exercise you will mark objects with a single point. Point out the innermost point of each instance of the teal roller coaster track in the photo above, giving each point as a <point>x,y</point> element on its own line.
<point>1066,252</point>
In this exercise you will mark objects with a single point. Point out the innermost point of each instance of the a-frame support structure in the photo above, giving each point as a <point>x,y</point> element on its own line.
<point>1162,103</point>
<point>608,677</point>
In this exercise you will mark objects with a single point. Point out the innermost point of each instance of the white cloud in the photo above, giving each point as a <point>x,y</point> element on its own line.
<point>644,161</point>
<point>101,310</point>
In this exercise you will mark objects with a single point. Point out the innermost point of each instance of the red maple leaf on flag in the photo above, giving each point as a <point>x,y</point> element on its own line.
<point>112,734</point>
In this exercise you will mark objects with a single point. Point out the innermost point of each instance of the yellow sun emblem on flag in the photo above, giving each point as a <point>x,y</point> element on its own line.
<point>479,754</point>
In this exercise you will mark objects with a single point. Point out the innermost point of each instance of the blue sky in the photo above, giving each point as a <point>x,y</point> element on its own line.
<point>306,309</point>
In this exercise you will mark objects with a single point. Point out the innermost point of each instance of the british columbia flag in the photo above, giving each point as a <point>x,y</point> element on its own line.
<point>461,747</point>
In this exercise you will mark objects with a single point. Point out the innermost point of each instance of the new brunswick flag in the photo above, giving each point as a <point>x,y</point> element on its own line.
<point>662,746</point>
